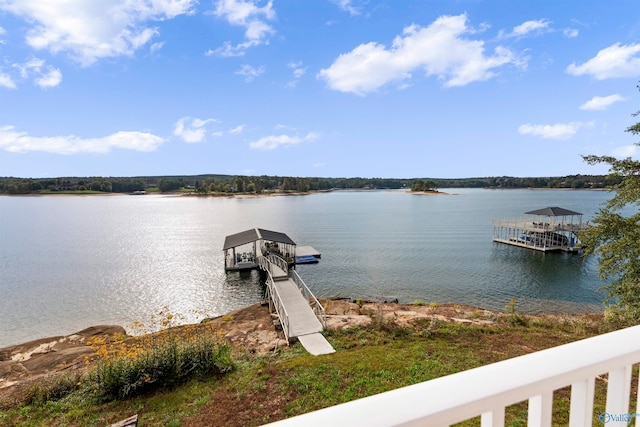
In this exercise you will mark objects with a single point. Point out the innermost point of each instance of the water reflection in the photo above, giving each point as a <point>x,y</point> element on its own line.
<point>70,262</point>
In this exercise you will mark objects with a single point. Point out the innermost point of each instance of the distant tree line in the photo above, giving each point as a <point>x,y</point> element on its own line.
<point>221,184</point>
<point>569,181</point>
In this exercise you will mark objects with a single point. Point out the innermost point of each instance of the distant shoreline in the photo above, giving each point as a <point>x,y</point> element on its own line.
<point>430,193</point>
<point>291,193</point>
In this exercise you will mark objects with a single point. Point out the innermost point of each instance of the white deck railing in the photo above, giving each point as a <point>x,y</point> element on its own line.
<point>525,224</point>
<point>279,261</point>
<point>488,390</point>
<point>317,308</point>
<point>274,297</point>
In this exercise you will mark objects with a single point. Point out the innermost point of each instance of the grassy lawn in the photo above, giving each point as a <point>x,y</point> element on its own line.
<point>368,360</point>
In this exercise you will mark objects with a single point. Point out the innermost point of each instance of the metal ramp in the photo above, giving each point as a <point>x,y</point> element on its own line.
<point>316,344</point>
<point>299,314</point>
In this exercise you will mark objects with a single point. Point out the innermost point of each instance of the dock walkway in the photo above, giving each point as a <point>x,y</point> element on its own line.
<point>294,310</point>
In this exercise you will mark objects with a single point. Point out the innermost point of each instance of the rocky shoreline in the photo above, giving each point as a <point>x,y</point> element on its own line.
<point>250,329</point>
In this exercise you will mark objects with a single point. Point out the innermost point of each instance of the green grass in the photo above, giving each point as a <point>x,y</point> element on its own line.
<point>368,360</point>
<point>162,408</point>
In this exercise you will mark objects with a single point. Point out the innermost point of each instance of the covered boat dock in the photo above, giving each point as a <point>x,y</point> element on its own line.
<point>547,229</point>
<point>241,250</point>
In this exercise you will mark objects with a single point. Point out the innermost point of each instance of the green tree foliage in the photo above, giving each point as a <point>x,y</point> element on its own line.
<point>421,185</point>
<point>170,185</point>
<point>615,235</point>
<point>224,183</point>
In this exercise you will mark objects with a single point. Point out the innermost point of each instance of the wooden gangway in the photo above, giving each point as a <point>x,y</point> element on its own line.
<point>299,311</point>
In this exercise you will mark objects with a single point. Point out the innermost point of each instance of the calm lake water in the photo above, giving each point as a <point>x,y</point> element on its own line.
<point>69,262</point>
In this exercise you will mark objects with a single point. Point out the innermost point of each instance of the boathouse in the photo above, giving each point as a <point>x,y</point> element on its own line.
<point>547,229</point>
<point>241,250</point>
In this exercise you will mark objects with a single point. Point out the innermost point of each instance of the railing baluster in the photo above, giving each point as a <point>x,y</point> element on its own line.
<point>581,410</point>
<point>618,391</point>
<point>540,407</point>
<point>494,418</point>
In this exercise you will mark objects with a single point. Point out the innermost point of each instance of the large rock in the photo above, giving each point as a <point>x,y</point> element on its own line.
<point>45,356</point>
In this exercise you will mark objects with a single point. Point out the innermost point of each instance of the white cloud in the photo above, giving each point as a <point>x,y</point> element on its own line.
<point>625,151</point>
<point>272,142</point>
<point>20,142</point>
<point>318,165</point>
<point>51,78</point>
<point>191,130</point>
<point>601,102</point>
<point>156,47</point>
<point>43,75</point>
<point>298,71</point>
<point>251,17</point>
<point>570,33</point>
<point>347,6</point>
<point>439,50</point>
<point>557,131</point>
<point>614,61</point>
<point>540,26</point>
<point>250,73</point>
<point>6,81</point>
<point>2,31</point>
<point>237,129</point>
<point>96,29</point>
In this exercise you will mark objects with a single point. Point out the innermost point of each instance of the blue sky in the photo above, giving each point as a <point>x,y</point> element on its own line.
<point>334,88</point>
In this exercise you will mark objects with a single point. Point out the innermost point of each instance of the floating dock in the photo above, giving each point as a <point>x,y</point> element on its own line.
<point>307,255</point>
<point>547,229</point>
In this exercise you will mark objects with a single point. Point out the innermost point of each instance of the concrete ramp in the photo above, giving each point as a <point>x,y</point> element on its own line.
<point>316,344</point>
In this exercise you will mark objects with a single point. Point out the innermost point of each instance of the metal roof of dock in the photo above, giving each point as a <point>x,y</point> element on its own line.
<point>553,211</point>
<point>253,235</point>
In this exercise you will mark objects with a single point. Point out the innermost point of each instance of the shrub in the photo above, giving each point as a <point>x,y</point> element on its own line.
<point>42,390</point>
<point>161,360</point>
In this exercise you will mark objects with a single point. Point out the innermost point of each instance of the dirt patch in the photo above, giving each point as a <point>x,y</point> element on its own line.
<point>230,408</point>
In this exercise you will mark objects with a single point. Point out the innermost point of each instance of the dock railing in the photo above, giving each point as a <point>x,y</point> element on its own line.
<point>485,392</point>
<point>279,261</point>
<point>527,224</point>
<point>318,309</point>
<point>274,297</point>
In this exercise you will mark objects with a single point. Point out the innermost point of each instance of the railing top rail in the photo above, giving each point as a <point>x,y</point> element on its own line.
<point>280,308</point>
<point>279,261</point>
<point>458,397</point>
<point>299,280</point>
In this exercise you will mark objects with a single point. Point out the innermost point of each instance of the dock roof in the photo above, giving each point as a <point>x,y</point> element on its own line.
<point>253,235</point>
<point>553,211</point>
